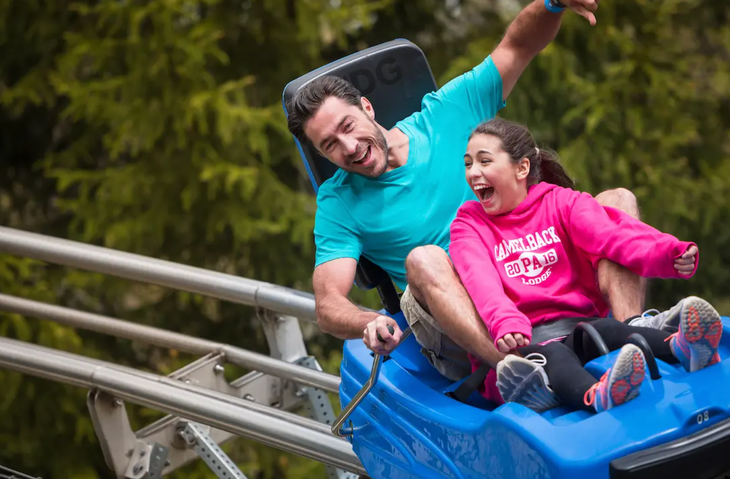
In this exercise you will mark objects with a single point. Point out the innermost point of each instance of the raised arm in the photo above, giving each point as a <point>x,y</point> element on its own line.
<point>604,232</point>
<point>529,33</point>
<point>480,93</point>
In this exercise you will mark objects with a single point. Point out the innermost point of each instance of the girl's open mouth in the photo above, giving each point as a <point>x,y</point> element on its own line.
<point>484,192</point>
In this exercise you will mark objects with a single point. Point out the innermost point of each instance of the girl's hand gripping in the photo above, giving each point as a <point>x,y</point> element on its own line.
<point>511,341</point>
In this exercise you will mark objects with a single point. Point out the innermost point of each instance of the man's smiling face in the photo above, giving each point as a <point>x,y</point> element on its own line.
<point>349,137</point>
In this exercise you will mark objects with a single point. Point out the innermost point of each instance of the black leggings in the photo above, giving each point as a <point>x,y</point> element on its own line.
<point>569,379</point>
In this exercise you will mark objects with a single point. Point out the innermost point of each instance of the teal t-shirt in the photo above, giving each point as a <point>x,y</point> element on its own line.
<point>385,218</point>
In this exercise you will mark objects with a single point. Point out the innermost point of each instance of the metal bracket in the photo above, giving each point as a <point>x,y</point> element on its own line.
<point>111,424</point>
<point>205,372</point>
<point>196,437</point>
<point>255,387</point>
<point>121,446</point>
<point>319,408</point>
<point>147,461</point>
<point>127,455</point>
<point>318,404</point>
<point>165,445</point>
<point>283,335</point>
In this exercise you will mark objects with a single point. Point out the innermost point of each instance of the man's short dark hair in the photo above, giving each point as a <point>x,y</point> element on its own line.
<point>307,101</point>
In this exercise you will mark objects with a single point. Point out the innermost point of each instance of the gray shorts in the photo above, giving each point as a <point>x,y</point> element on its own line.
<point>442,352</point>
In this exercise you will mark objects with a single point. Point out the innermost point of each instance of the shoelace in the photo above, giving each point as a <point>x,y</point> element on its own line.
<point>646,313</point>
<point>537,358</point>
<point>590,396</point>
<point>671,336</point>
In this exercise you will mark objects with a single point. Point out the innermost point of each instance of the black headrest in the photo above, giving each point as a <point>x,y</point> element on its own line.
<point>394,76</point>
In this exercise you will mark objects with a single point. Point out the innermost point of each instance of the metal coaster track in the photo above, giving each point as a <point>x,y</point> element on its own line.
<point>204,409</point>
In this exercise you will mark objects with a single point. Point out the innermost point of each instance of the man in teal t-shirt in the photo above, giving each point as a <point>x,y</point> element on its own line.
<point>387,216</point>
<point>396,191</point>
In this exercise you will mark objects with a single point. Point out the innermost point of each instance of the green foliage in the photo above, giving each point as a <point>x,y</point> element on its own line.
<point>152,127</point>
<point>156,127</point>
<point>37,412</point>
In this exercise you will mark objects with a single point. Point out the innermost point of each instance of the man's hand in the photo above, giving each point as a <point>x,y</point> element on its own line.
<point>584,8</point>
<point>510,341</point>
<point>380,326</point>
<point>685,264</point>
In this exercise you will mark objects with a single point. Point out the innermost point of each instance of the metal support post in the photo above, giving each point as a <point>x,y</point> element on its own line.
<point>129,456</point>
<point>283,335</point>
<point>319,408</point>
<point>111,424</point>
<point>196,437</point>
<point>286,342</point>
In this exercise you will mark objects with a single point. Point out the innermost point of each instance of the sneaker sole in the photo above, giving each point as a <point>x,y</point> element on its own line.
<point>523,382</point>
<point>702,327</point>
<point>671,325</point>
<point>626,377</point>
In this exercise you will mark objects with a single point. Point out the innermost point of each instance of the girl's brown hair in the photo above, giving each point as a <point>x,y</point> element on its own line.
<point>518,143</point>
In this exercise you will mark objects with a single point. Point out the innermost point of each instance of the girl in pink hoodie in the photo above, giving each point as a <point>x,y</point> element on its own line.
<point>527,253</point>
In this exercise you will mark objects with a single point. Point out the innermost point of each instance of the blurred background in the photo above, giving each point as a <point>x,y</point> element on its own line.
<point>156,127</point>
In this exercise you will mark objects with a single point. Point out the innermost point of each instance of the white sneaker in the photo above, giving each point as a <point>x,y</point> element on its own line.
<point>524,381</point>
<point>669,320</point>
<point>646,320</point>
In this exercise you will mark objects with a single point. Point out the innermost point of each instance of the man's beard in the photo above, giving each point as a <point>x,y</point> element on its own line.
<point>381,144</point>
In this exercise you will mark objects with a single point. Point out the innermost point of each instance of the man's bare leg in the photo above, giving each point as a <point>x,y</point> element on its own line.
<point>434,283</point>
<point>624,290</point>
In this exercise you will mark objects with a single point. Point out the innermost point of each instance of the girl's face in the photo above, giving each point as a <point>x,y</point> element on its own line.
<point>499,183</point>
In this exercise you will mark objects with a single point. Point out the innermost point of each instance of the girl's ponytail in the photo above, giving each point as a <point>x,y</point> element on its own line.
<point>547,168</point>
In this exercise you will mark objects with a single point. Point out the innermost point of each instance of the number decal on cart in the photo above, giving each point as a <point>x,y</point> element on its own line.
<point>703,417</point>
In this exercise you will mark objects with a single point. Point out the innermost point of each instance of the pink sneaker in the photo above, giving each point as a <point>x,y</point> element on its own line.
<point>619,384</point>
<point>700,330</point>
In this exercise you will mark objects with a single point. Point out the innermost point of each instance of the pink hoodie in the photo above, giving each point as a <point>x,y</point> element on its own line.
<point>538,262</point>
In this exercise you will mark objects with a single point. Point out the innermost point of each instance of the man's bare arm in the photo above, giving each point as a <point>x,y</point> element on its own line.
<point>336,315</point>
<point>528,34</point>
